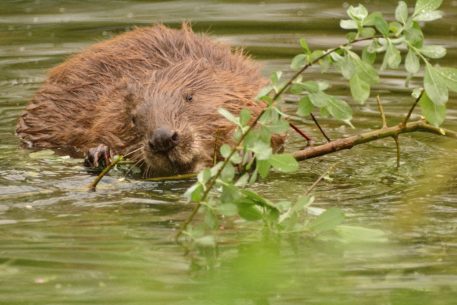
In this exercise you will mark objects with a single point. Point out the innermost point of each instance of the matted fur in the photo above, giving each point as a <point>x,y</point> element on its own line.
<point>119,91</point>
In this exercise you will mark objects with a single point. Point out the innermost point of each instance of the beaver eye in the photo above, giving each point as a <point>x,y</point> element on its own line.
<point>189,98</point>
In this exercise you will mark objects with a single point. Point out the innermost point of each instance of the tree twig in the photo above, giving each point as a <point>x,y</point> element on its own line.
<point>304,135</point>
<point>381,111</point>
<point>405,121</point>
<point>93,185</point>
<point>349,142</point>
<point>315,183</point>
<point>320,128</point>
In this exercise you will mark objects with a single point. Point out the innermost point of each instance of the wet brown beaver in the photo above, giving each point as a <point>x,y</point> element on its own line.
<point>151,94</point>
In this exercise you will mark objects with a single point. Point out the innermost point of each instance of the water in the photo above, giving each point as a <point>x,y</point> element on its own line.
<point>60,244</point>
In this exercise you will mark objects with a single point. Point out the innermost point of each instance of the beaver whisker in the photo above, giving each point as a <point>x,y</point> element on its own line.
<point>133,151</point>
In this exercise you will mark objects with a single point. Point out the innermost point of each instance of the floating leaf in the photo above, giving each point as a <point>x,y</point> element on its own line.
<point>435,86</point>
<point>433,113</point>
<point>327,221</point>
<point>284,162</point>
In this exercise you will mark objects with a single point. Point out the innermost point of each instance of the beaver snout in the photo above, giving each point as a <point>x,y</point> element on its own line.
<point>163,140</point>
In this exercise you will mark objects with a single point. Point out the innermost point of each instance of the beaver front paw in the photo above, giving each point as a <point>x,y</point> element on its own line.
<point>99,156</point>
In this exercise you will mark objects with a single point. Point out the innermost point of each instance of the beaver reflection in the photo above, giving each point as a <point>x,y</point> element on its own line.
<point>151,94</point>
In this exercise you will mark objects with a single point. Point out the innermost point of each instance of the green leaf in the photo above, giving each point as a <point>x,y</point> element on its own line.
<point>263,167</point>
<point>433,113</point>
<point>204,176</point>
<point>395,28</point>
<point>449,76</point>
<point>229,116</point>
<point>275,77</point>
<point>380,23</point>
<point>401,12</point>
<point>412,63</point>
<point>339,109</point>
<point>304,106</point>
<point>367,56</point>
<point>245,116</point>
<point>262,150</point>
<point>359,12</point>
<point>393,56</point>
<point>424,6</point>
<point>348,24</point>
<point>206,241</point>
<point>250,212</point>
<point>227,209</point>
<point>433,51</point>
<point>354,234</point>
<point>319,99</point>
<point>284,162</point>
<point>360,89</point>
<point>309,86</point>
<point>298,62</point>
<point>327,221</point>
<point>225,150</point>
<point>304,45</point>
<point>367,32</point>
<point>363,69</point>
<point>228,172</point>
<point>429,16</point>
<point>435,87</point>
<point>194,193</point>
<point>264,92</point>
<point>415,37</point>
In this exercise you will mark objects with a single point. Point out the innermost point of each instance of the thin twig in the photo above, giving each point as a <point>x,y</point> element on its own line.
<point>320,128</point>
<point>381,111</point>
<point>397,144</point>
<point>405,121</point>
<point>304,135</point>
<point>315,183</point>
<point>93,185</point>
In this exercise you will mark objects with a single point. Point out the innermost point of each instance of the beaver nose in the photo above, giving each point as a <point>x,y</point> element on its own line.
<point>163,140</point>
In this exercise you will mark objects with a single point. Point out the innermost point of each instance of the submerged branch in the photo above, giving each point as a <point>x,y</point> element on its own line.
<point>349,142</point>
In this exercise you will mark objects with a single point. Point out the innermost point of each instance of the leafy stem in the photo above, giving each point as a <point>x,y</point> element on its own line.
<point>212,181</point>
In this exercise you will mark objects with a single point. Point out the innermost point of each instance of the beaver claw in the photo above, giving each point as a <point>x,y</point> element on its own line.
<point>98,156</point>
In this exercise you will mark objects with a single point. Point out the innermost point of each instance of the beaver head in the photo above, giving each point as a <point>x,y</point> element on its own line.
<point>178,127</point>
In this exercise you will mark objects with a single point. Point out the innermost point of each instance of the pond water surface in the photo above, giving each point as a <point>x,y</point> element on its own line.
<point>60,244</point>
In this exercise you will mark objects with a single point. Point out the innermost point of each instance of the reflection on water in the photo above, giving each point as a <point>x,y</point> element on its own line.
<point>60,244</point>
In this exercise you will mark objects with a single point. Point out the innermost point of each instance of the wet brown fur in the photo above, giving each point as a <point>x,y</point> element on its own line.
<point>119,91</point>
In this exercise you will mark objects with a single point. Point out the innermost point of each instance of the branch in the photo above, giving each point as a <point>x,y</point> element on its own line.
<point>93,185</point>
<point>349,142</point>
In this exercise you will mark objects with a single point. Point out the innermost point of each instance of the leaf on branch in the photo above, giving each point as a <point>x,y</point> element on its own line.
<point>425,6</point>
<point>401,12</point>
<point>435,86</point>
<point>360,89</point>
<point>229,116</point>
<point>433,51</point>
<point>298,62</point>
<point>433,113</point>
<point>429,16</point>
<point>339,109</point>
<point>348,24</point>
<point>393,56</point>
<point>284,162</point>
<point>449,75</point>
<point>305,107</point>
<point>412,63</point>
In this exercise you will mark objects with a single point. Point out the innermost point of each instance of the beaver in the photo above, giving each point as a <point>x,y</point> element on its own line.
<point>151,94</point>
